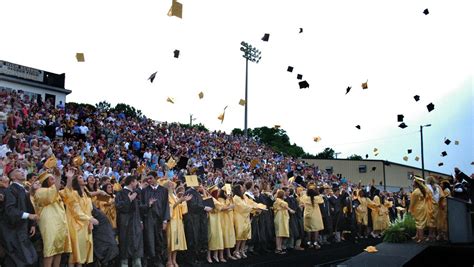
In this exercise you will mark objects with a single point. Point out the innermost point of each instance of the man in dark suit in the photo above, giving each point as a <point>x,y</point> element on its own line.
<point>19,224</point>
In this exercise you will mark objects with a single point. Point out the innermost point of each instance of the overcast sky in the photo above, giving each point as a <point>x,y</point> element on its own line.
<point>393,45</point>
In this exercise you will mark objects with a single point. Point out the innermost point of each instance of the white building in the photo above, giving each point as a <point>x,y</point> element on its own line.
<point>33,82</point>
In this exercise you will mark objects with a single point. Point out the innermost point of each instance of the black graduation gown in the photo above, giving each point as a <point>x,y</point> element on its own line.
<point>266,222</point>
<point>18,246</point>
<point>129,225</point>
<point>195,223</point>
<point>327,219</point>
<point>296,220</point>
<point>3,221</point>
<point>105,245</point>
<point>336,212</point>
<point>153,235</point>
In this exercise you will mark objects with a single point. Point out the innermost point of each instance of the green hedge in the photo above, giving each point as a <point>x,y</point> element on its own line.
<point>400,230</point>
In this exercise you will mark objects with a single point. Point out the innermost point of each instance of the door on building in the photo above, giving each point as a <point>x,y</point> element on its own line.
<point>50,99</point>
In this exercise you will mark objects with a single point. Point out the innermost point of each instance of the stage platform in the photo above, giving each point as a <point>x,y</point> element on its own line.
<point>413,254</point>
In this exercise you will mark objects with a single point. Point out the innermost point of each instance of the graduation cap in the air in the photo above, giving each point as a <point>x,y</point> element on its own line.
<point>80,57</point>
<point>221,117</point>
<point>176,9</point>
<point>348,89</point>
<point>409,151</point>
<point>299,76</point>
<point>152,77</point>
<point>402,125</point>
<point>444,154</point>
<point>417,158</point>
<point>366,156</point>
<point>447,141</point>
<point>426,12</point>
<point>170,99</point>
<point>218,163</point>
<point>440,164</point>
<point>242,102</point>
<point>276,126</point>
<point>365,85</point>
<point>374,168</point>
<point>358,127</point>
<point>176,53</point>
<point>301,30</point>
<point>183,162</point>
<point>400,117</point>
<point>316,139</point>
<point>430,107</point>
<point>303,84</point>
<point>289,69</point>
<point>405,158</point>
<point>456,142</point>
<point>266,37</point>
<point>201,95</point>
<point>417,98</point>
<point>376,154</point>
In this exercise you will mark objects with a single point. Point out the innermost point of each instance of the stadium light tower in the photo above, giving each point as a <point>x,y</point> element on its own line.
<point>422,157</point>
<point>253,54</point>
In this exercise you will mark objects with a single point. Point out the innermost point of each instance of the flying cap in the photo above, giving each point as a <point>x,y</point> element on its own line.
<point>417,98</point>
<point>402,125</point>
<point>430,107</point>
<point>289,69</point>
<point>201,95</point>
<point>400,117</point>
<point>80,57</point>
<point>242,102</point>
<point>348,89</point>
<point>176,9</point>
<point>299,76</point>
<point>303,84</point>
<point>266,37</point>
<point>152,77</point>
<point>176,53</point>
<point>426,11</point>
<point>365,85</point>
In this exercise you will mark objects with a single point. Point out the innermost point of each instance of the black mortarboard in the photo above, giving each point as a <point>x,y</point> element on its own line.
<point>301,30</point>
<point>218,163</point>
<point>299,76</point>
<point>417,98</point>
<point>426,12</point>
<point>366,156</point>
<point>290,174</point>
<point>348,89</point>
<point>409,151</point>
<point>290,69</point>
<point>152,77</point>
<point>266,37</point>
<point>303,84</point>
<point>430,107</point>
<point>374,168</point>
<point>176,53</point>
<point>447,141</point>
<point>402,125</point>
<point>200,171</point>
<point>444,154</point>
<point>400,117</point>
<point>358,127</point>
<point>440,164</point>
<point>182,163</point>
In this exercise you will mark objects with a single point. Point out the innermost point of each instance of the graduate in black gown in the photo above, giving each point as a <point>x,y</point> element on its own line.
<point>20,223</point>
<point>335,204</point>
<point>266,223</point>
<point>326,214</point>
<point>105,246</point>
<point>4,182</point>
<point>296,220</point>
<point>156,214</point>
<point>195,225</point>
<point>129,224</point>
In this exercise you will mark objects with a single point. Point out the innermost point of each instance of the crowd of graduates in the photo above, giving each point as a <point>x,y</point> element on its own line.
<point>90,187</point>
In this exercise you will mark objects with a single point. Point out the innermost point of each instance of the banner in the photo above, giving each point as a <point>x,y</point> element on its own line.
<point>21,71</point>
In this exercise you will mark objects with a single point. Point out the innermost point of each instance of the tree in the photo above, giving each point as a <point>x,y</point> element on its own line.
<point>328,153</point>
<point>103,106</point>
<point>355,157</point>
<point>128,110</point>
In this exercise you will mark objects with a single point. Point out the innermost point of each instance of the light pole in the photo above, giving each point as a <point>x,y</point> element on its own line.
<point>337,153</point>
<point>422,157</point>
<point>253,54</point>
<point>191,119</point>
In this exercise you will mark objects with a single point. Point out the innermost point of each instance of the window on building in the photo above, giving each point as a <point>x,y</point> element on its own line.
<point>362,168</point>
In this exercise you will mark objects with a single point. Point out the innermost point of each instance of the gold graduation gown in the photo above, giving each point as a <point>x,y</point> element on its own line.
<point>379,214</point>
<point>175,228</point>
<point>108,208</point>
<point>418,208</point>
<point>433,206</point>
<point>241,218</point>
<point>52,224</point>
<point>79,214</point>
<point>312,218</point>
<point>214,228</point>
<point>362,214</point>
<point>227,223</point>
<point>282,218</point>
<point>442,221</point>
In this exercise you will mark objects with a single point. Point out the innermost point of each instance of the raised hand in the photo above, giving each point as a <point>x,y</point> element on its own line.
<point>132,196</point>
<point>151,201</point>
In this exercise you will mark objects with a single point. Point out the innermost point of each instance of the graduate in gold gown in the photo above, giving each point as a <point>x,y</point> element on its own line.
<point>281,220</point>
<point>175,227</point>
<point>107,204</point>
<point>418,207</point>
<point>379,215</point>
<point>215,234</point>
<point>52,223</point>
<point>241,221</point>
<point>227,223</point>
<point>80,220</point>
<point>435,193</point>
<point>442,221</point>
<point>362,213</point>
<point>312,218</point>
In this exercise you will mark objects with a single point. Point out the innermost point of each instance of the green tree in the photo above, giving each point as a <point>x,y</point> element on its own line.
<point>328,153</point>
<point>103,106</point>
<point>355,157</point>
<point>128,110</point>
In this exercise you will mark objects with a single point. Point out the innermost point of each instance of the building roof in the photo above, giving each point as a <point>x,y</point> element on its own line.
<point>8,78</point>
<point>386,162</point>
